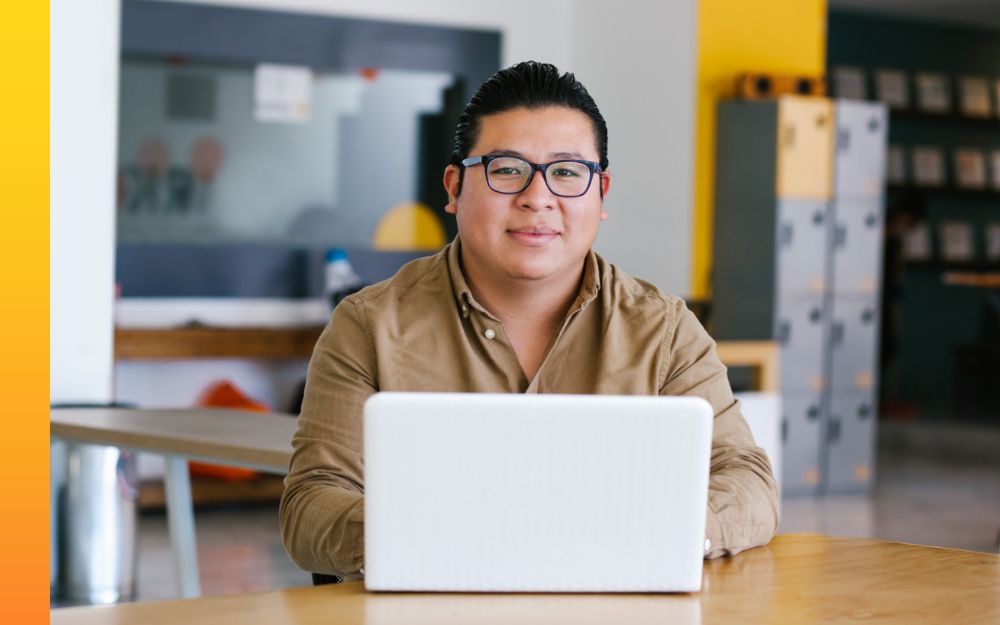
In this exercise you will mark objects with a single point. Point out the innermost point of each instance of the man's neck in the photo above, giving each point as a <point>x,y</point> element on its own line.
<point>517,303</point>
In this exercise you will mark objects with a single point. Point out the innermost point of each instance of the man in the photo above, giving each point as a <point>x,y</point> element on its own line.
<point>517,303</point>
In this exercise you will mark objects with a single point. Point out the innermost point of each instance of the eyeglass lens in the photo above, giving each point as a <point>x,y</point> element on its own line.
<point>509,174</point>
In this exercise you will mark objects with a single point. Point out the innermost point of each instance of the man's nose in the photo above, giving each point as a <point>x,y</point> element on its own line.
<point>536,196</point>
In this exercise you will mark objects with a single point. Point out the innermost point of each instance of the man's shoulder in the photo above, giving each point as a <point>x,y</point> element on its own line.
<point>631,293</point>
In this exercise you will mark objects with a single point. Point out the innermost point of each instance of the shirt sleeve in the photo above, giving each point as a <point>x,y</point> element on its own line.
<point>742,492</point>
<point>322,508</point>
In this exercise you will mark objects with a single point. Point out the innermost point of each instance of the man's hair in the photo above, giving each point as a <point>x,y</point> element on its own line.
<point>531,85</point>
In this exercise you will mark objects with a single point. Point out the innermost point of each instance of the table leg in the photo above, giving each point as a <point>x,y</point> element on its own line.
<point>180,518</point>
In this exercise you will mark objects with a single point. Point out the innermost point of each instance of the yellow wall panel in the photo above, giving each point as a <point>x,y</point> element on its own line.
<point>735,37</point>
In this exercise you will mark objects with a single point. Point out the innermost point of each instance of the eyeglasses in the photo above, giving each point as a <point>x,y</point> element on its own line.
<point>510,174</point>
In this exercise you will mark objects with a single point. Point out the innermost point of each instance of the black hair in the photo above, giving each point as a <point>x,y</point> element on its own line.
<point>531,85</point>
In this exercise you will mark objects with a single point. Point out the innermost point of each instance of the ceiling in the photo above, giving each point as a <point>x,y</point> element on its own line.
<point>981,13</point>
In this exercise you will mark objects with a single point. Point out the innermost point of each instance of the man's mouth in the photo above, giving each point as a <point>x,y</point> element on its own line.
<point>533,234</point>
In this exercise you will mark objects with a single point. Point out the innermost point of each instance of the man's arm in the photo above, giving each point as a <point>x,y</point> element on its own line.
<point>742,493</point>
<point>322,508</point>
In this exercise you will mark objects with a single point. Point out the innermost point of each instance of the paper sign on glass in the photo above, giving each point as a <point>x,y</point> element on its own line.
<point>282,93</point>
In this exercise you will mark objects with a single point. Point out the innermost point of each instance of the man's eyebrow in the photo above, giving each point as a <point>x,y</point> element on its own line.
<point>501,152</point>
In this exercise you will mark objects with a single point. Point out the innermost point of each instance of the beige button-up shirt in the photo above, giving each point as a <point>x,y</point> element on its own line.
<point>422,330</point>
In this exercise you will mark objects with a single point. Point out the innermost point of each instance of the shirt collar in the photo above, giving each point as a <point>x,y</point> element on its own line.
<point>589,287</point>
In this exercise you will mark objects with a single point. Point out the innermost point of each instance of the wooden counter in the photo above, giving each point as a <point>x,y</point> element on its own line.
<point>797,579</point>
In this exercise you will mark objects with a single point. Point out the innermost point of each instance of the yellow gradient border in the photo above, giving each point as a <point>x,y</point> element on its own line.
<point>24,255</point>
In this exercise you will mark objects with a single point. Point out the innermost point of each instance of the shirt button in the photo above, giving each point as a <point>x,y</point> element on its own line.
<point>490,334</point>
<point>708,545</point>
<point>465,310</point>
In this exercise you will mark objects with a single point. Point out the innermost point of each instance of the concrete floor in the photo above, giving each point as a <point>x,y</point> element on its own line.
<point>917,499</point>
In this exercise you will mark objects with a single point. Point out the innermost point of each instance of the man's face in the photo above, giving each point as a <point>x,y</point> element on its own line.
<point>533,235</point>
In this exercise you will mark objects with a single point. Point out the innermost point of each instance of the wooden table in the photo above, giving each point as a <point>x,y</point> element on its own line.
<point>231,437</point>
<point>798,578</point>
<point>761,356</point>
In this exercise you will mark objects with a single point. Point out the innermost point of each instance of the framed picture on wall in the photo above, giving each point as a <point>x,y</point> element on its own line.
<point>955,240</point>
<point>933,93</point>
<point>995,169</point>
<point>849,82</point>
<point>895,171</point>
<point>928,166</point>
<point>891,88</point>
<point>974,96</point>
<point>917,242</point>
<point>970,168</point>
<point>992,241</point>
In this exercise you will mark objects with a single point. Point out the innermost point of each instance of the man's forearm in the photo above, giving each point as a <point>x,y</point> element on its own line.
<point>323,528</point>
<point>742,501</point>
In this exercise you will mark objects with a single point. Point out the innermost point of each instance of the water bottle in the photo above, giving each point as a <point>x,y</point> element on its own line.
<point>341,280</point>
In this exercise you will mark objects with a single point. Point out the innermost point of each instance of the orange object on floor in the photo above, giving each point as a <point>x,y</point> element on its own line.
<point>225,394</point>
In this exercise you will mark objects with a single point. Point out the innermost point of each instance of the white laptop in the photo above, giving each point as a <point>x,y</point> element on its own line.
<point>535,493</point>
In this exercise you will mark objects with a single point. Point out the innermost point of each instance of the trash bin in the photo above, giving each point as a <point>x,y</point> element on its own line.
<point>98,517</point>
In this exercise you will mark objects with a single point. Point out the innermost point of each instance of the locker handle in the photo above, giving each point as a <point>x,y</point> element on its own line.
<point>843,139</point>
<point>837,333</point>
<point>864,411</point>
<point>813,413</point>
<point>833,430</point>
<point>868,315</point>
<point>789,138</point>
<point>784,430</point>
<point>815,315</point>
<point>786,234</point>
<point>840,236</point>
<point>871,220</point>
<point>784,331</point>
<point>818,218</point>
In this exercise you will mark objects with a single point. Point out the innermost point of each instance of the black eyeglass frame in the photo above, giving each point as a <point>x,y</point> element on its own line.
<point>486,159</point>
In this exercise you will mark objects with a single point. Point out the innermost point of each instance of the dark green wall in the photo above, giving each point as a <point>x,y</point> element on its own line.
<point>935,319</point>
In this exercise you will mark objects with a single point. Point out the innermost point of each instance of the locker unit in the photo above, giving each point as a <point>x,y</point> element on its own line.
<point>798,246</point>
<point>851,441</point>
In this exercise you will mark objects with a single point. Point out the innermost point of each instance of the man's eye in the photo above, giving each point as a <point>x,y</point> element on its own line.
<point>565,172</point>
<point>506,171</point>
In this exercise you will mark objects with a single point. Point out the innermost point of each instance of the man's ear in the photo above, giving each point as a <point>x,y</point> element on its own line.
<point>451,176</point>
<point>605,188</point>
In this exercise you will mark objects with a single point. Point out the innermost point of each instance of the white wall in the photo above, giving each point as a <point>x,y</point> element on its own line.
<point>83,118</point>
<point>638,60</point>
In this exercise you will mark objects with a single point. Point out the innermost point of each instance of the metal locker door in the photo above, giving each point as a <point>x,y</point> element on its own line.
<point>857,247</point>
<point>859,167</point>
<point>805,148</point>
<point>800,331</point>
<point>854,344</point>
<point>851,436</point>
<point>801,420</point>
<point>803,227</point>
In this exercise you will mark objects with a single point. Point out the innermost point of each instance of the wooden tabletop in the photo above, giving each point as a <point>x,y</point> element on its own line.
<point>234,437</point>
<point>798,578</point>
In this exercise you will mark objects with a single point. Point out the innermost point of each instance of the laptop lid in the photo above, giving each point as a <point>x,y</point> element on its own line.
<point>535,493</point>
